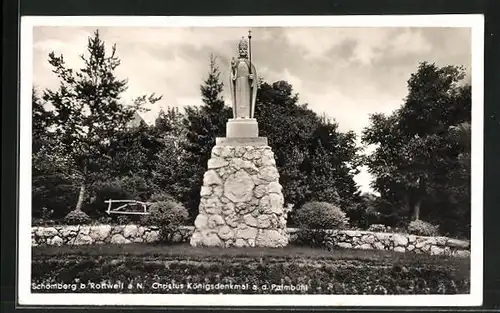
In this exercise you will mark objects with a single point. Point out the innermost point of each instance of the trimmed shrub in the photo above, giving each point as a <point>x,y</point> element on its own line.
<point>161,196</point>
<point>421,228</point>
<point>313,218</point>
<point>77,217</point>
<point>320,215</point>
<point>168,216</point>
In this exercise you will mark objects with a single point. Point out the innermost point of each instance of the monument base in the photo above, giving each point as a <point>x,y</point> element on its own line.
<point>238,142</point>
<point>241,201</point>
<point>242,128</point>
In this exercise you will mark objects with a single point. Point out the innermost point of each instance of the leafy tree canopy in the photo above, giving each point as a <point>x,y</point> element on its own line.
<point>417,146</point>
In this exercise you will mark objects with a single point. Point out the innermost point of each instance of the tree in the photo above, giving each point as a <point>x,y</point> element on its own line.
<point>169,123</point>
<point>288,127</point>
<point>133,152</point>
<point>208,121</point>
<point>202,124</point>
<point>316,162</point>
<point>415,148</point>
<point>41,120</point>
<point>88,109</point>
<point>171,157</point>
<point>52,186</point>
<point>332,163</point>
<point>452,192</point>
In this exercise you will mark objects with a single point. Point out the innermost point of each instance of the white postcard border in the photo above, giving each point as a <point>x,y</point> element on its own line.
<point>474,21</point>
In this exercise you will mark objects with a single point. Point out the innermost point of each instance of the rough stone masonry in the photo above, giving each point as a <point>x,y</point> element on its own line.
<point>241,201</point>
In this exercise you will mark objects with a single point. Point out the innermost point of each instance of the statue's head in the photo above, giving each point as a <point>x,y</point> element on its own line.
<point>243,48</point>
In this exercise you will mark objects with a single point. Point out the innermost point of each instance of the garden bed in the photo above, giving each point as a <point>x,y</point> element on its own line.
<point>184,269</point>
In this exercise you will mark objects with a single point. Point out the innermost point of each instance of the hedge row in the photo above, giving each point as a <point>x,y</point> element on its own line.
<point>175,274</point>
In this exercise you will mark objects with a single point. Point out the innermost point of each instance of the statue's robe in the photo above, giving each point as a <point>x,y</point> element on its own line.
<point>243,89</point>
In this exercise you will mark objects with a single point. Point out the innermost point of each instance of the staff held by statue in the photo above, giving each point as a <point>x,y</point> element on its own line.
<point>250,49</point>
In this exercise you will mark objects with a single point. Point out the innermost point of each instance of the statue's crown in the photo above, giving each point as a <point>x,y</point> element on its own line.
<point>243,44</point>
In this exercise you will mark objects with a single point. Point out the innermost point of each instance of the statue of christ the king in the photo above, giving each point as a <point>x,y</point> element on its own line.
<point>243,82</point>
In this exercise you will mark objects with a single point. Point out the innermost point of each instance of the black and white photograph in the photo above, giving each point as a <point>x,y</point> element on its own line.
<point>251,160</point>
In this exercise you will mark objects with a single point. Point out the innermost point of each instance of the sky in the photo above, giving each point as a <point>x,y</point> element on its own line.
<point>345,73</point>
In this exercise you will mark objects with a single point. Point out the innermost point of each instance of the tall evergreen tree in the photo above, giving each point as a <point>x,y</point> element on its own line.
<point>203,124</point>
<point>88,109</point>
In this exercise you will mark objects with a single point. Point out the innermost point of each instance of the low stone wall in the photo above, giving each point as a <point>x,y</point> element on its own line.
<point>356,239</point>
<point>100,234</point>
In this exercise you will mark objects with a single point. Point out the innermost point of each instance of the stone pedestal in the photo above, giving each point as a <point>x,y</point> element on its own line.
<point>242,128</point>
<point>241,199</point>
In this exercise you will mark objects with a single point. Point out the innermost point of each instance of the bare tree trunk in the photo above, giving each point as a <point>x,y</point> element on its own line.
<point>418,203</point>
<point>83,189</point>
<point>81,196</point>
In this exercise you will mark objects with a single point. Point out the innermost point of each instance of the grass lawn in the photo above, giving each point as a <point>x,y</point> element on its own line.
<point>172,269</point>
